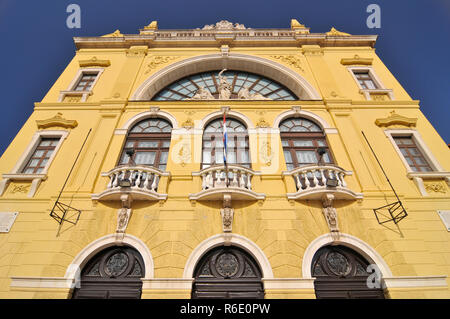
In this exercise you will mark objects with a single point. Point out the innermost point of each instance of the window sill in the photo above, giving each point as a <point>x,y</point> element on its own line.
<point>377,94</point>
<point>419,177</point>
<point>35,180</point>
<point>74,96</point>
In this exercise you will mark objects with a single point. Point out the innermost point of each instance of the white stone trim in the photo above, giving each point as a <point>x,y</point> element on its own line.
<point>415,281</point>
<point>71,88</point>
<point>230,114</point>
<point>142,116</point>
<point>347,240</point>
<point>167,283</point>
<point>16,172</point>
<point>288,283</point>
<point>244,62</point>
<point>234,240</point>
<point>107,241</point>
<point>306,114</point>
<point>42,282</point>
<point>380,87</point>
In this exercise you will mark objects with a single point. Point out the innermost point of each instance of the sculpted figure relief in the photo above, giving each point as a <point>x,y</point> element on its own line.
<point>244,94</point>
<point>224,87</point>
<point>202,94</point>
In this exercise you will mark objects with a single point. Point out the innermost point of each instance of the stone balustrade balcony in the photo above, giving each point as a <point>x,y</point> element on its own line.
<point>142,182</point>
<point>215,183</point>
<point>313,181</point>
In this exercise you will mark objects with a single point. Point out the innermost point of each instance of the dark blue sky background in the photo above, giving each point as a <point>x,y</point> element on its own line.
<point>36,45</point>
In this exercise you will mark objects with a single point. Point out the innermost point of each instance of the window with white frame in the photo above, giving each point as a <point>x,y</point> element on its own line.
<point>40,153</point>
<point>83,84</point>
<point>412,151</point>
<point>35,161</point>
<point>368,82</point>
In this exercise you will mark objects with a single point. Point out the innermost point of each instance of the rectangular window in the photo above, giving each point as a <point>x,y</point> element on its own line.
<point>86,81</point>
<point>412,154</point>
<point>41,155</point>
<point>365,80</point>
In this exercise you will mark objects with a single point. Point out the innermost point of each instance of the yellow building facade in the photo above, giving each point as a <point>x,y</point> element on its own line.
<point>125,152</point>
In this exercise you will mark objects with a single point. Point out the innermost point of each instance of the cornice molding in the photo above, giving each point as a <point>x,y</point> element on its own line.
<point>56,121</point>
<point>356,60</point>
<point>94,62</point>
<point>396,119</point>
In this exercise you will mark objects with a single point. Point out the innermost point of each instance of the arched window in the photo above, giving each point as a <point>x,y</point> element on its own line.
<point>227,272</point>
<point>237,146</point>
<point>115,272</point>
<point>256,84</point>
<point>302,142</point>
<point>341,272</point>
<point>148,144</point>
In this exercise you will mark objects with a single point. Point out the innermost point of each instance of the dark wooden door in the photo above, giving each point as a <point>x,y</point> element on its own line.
<point>226,273</point>
<point>114,273</point>
<point>341,274</point>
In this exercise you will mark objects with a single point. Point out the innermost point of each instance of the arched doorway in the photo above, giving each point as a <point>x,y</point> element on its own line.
<point>342,273</point>
<point>227,272</point>
<point>113,273</point>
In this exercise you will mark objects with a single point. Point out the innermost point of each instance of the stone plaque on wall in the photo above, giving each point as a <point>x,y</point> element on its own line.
<point>7,220</point>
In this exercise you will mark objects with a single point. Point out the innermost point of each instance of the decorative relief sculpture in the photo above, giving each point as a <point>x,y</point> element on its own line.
<point>436,187</point>
<point>123,216</point>
<point>330,214</point>
<point>227,214</point>
<point>202,94</point>
<point>56,121</point>
<point>224,25</point>
<point>290,60</point>
<point>244,94</point>
<point>157,61</point>
<point>224,87</point>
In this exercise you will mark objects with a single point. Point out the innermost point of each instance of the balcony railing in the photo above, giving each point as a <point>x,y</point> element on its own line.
<point>143,182</point>
<point>235,180</point>
<point>313,181</point>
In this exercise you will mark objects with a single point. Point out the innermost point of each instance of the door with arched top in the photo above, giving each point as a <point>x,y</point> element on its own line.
<point>113,273</point>
<point>227,272</point>
<point>342,273</point>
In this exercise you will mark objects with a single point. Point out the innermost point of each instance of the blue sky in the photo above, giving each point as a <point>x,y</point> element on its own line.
<point>413,41</point>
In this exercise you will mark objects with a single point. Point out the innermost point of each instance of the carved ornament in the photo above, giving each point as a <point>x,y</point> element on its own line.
<point>56,121</point>
<point>94,62</point>
<point>335,33</point>
<point>396,119</point>
<point>115,34</point>
<point>158,60</point>
<point>356,60</point>
<point>290,60</point>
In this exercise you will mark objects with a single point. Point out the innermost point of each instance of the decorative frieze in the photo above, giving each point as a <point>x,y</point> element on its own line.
<point>290,60</point>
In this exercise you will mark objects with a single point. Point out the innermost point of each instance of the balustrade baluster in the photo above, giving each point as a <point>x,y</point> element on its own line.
<point>155,183</point>
<point>235,178</point>
<point>315,180</point>
<point>111,181</point>
<point>322,177</point>
<point>307,183</point>
<point>297,180</point>
<point>249,183</point>
<point>204,181</point>
<point>343,183</point>
<point>147,181</point>
<point>138,179</point>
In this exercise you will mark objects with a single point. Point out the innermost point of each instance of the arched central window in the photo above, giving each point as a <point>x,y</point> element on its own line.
<point>303,141</point>
<point>188,86</point>
<point>148,144</point>
<point>237,146</point>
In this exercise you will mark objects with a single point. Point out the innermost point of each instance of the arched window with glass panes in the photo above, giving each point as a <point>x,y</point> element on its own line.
<point>304,143</point>
<point>237,146</point>
<point>147,144</point>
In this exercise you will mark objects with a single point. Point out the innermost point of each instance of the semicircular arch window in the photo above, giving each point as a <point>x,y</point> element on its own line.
<point>241,85</point>
<point>303,141</point>
<point>147,144</point>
